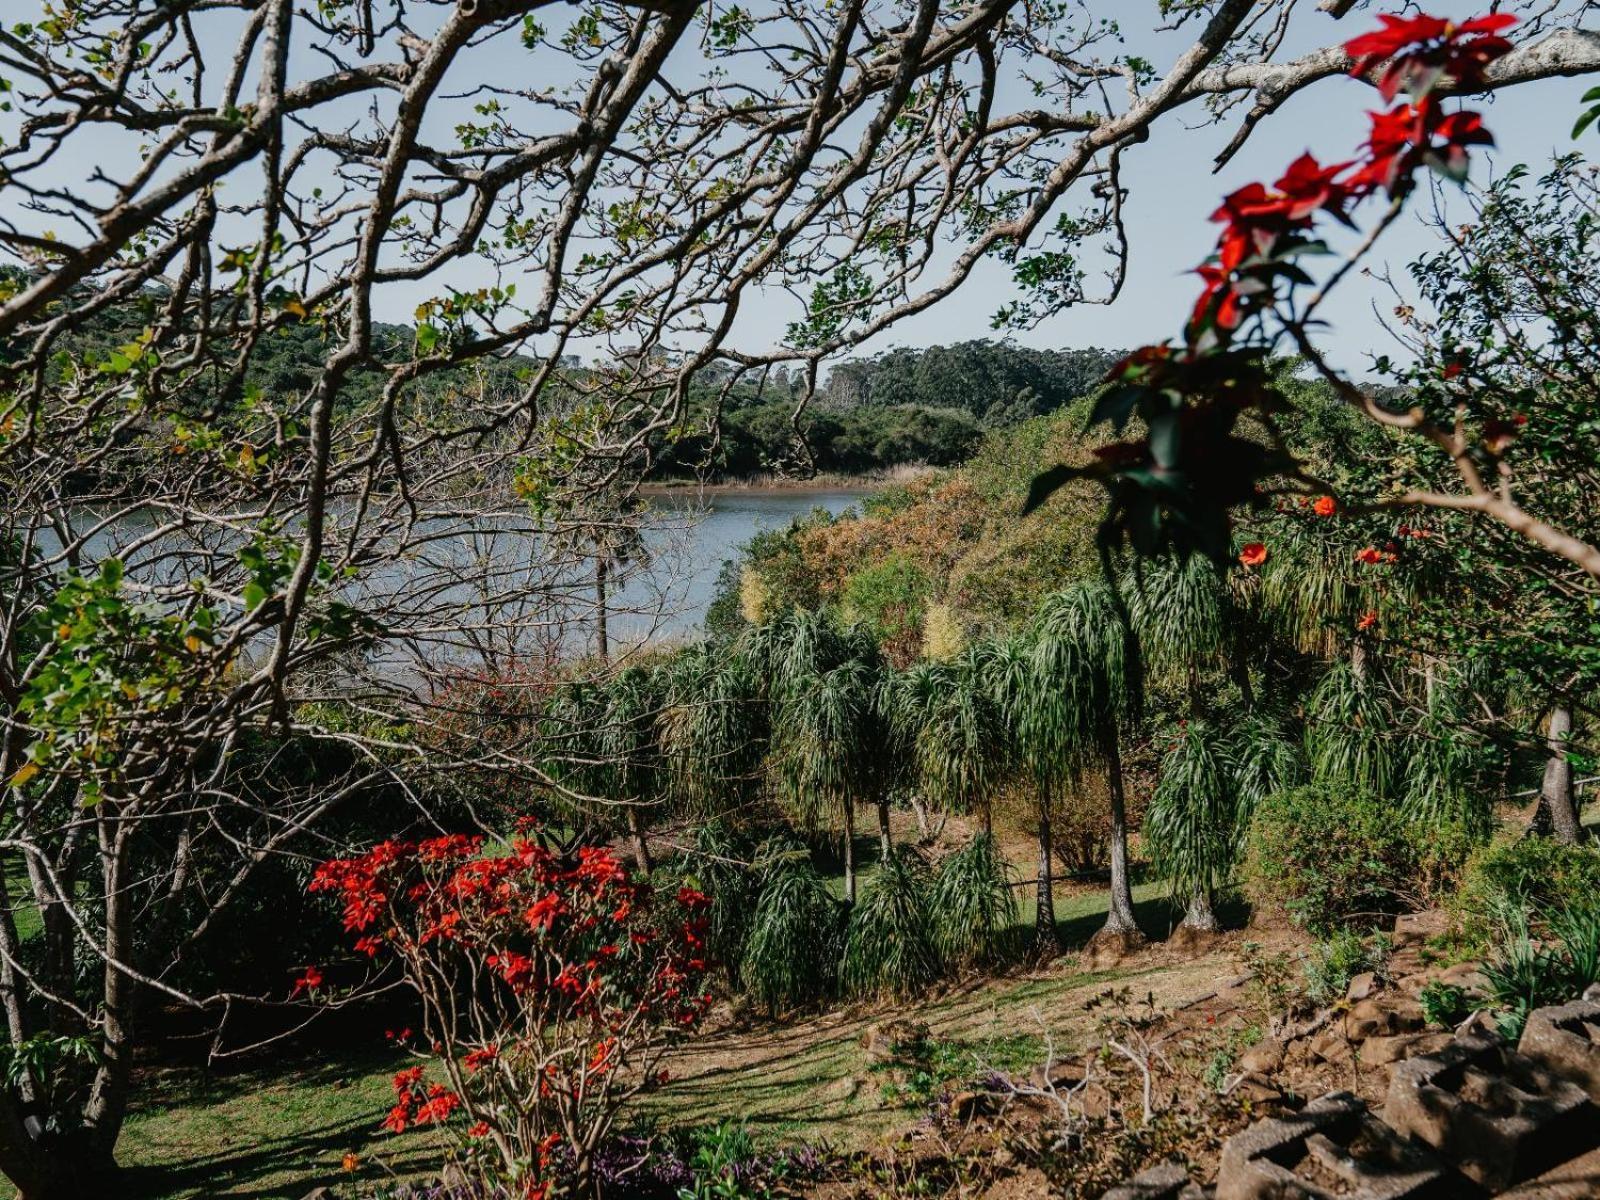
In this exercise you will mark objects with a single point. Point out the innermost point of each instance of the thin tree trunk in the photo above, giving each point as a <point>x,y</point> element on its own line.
<point>1120,918</point>
<point>849,852</point>
<point>1358,657</point>
<point>641,848</point>
<point>883,826</point>
<point>1046,940</point>
<point>1200,914</point>
<point>601,639</point>
<point>1555,796</point>
<point>921,810</point>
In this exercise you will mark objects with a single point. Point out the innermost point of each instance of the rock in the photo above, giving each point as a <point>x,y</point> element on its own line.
<point>1332,1140</point>
<point>1381,1051</point>
<point>1331,1046</point>
<point>1467,975</point>
<point>320,1193</point>
<point>1414,929</point>
<point>1362,986</point>
<point>1169,1181</point>
<point>1566,1041</point>
<point>1497,1117</point>
<point>1258,1089</point>
<point>1592,993</point>
<point>1263,1058</point>
<point>1383,1016</point>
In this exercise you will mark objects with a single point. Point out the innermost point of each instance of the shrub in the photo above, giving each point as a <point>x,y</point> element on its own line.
<point>791,956</point>
<point>1539,875</point>
<point>1335,962</point>
<point>550,986</point>
<point>1332,858</point>
<point>973,903</point>
<point>890,949</point>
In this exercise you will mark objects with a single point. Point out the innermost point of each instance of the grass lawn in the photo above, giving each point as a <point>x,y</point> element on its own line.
<point>275,1133</point>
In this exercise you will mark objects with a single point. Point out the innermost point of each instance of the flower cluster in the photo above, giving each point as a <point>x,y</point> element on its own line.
<point>547,979</point>
<point>1176,488</point>
<point>1266,228</point>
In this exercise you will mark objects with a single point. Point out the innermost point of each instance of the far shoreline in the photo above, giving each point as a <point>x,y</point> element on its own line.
<point>770,484</point>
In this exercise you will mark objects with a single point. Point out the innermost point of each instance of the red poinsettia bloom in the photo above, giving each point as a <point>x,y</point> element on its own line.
<point>1422,48</point>
<point>1325,506</point>
<point>1219,304</point>
<point>308,982</point>
<point>1254,554</point>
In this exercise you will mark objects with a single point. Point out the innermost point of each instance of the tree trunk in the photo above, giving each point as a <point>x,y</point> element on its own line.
<point>1046,940</point>
<point>69,1170</point>
<point>602,643</point>
<point>921,810</point>
<point>1556,796</point>
<point>849,852</point>
<point>1200,914</point>
<point>883,826</point>
<point>1120,918</point>
<point>641,848</point>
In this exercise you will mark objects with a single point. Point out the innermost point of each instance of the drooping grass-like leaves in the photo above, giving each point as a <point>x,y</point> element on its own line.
<point>889,950</point>
<point>973,904</point>
<point>791,955</point>
<point>1353,734</point>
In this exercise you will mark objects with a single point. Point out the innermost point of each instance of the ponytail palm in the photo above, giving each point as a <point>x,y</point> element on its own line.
<point>1109,692</point>
<point>714,731</point>
<point>630,747</point>
<point>953,730</point>
<point>830,743</point>
<point>1193,826</point>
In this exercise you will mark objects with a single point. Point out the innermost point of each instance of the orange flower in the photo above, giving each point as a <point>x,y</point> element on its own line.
<point>351,1162</point>
<point>1368,620</point>
<point>1253,555</point>
<point>1325,506</point>
<point>1368,555</point>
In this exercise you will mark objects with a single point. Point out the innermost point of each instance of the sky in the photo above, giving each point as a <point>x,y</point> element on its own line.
<point>1172,190</point>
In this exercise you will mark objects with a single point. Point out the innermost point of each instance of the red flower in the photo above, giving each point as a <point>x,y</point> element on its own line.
<point>1254,554</point>
<point>476,1060</point>
<point>308,982</point>
<point>480,1130</point>
<point>1434,47</point>
<point>1369,555</point>
<point>1325,506</point>
<point>1368,620</point>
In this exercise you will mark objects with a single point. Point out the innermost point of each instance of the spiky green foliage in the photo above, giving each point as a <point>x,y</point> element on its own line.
<point>1262,758</point>
<point>1353,732</point>
<point>1192,826</point>
<point>791,956</point>
<point>574,756</point>
<point>629,741</point>
<point>889,949</point>
<point>973,904</point>
<point>955,731</point>
<point>1446,771</point>
<point>721,865</point>
<point>714,730</point>
<point>830,741</point>
<point>1180,612</point>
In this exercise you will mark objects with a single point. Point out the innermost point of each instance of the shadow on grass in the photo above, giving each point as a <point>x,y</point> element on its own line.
<point>276,1133</point>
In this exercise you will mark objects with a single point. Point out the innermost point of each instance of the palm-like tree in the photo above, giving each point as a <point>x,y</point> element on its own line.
<point>1106,694</point>
<point>830,740</point>
<point>714,730</point>
<point>953,730</point>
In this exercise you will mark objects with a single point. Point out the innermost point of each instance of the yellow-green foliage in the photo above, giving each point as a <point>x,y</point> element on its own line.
<point>754,596</point>
<point>943,634</point>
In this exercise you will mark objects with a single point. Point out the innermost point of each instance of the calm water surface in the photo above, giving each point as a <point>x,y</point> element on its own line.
<point>695,533</point>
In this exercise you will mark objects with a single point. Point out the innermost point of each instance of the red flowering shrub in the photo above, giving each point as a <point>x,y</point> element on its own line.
<point>1176,487</point>
<point>550,987</point>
